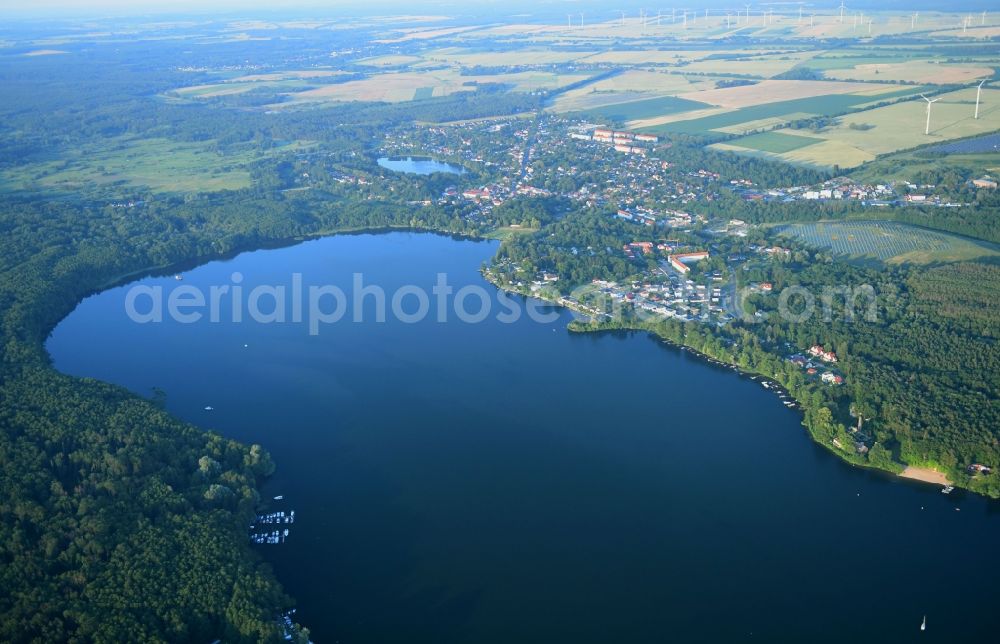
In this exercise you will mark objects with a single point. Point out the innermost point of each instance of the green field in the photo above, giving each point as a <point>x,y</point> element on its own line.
<point>423,93</point>
<point>161,165</point>
<point>775,142</point>
<point>645,109</point>
<point>887,241</point>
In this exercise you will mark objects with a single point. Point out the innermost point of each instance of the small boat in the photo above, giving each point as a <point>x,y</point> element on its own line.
<point>923,624</point>
<point>178,277</point>
<point>947,489</point>
<point>209,408</point>
<point>279,497</point>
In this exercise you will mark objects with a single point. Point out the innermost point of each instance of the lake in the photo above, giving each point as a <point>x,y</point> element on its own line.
<point>418,165</point>
<point>514,482</point>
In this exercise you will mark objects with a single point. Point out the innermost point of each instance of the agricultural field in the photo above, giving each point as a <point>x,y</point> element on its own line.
<point>389,60</point>
<point>161,165</point>
<point>411,85</point>
<point>862,136</point>
<point>775,142</point>
<point>630,85</point>
<point>736,120</point>
<point>825,24</point>
<point>520,57</point>
<point>647,57</point>
<point>281,81</point>
<point>622,112</point>
<point>755,66</point>
<point>914,71</point>
<point>887,241</point>
<point>771,91</point>
<point>406,35</point>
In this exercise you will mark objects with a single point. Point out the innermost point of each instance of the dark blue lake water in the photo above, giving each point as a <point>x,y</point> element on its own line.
<point>500,482</point>
<point>418,165</point>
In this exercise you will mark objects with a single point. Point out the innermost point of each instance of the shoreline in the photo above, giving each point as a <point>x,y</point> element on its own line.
<point>910,472</point>
<point>925,474</point>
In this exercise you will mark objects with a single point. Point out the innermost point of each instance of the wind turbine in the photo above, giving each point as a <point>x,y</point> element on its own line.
<point>930,101</point>
<point>913,21</point>
<point>623,18</point>
<point>983,20</point>
<point>812,19</point>
<point>842,11</point>
<point>979,91</point>
<point>581,18</point>
<point>800,14</point>
<point>728,19</point>
<point>869,26</point>
<point>569,20</point>
<point>748,13</point>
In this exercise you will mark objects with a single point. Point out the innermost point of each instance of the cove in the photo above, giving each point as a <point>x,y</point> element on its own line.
<point>498,482</point>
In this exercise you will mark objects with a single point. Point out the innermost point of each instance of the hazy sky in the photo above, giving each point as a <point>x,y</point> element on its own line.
<point>72,8</point>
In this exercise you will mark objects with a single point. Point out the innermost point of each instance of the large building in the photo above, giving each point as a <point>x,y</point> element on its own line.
<point>680,261</point>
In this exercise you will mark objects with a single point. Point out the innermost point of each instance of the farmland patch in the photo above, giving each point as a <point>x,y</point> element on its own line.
<point>887,241</point>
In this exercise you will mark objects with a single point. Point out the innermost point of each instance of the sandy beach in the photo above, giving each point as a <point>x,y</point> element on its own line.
<point>925,474</point>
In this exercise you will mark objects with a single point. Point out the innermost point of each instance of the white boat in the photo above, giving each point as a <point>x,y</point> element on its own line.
<point>947,489</point>
<point>923,624</point>
<point>209,408</point>
<point>279,497</point>
<point>178,277</point>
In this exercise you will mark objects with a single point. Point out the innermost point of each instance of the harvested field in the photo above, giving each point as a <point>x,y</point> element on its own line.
<point>772,91</point>
<point>914,71</point>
